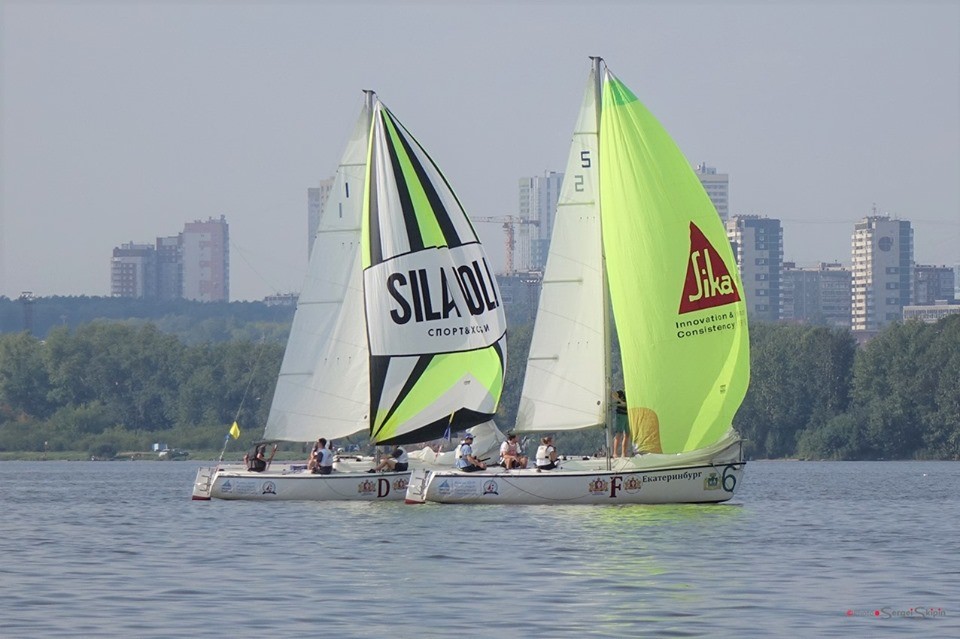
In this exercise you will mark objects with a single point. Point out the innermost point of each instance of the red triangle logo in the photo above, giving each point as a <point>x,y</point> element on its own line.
<point>708,282</point>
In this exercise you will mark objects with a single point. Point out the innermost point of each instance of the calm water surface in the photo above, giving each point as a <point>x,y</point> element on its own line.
<point>805,550</point>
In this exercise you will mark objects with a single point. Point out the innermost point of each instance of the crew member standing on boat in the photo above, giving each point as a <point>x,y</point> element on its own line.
<point>546,454</point>
<point>466,461</point>
<point>621,429</point>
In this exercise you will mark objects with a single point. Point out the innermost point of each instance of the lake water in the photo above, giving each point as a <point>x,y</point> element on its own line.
<point>806,549</point>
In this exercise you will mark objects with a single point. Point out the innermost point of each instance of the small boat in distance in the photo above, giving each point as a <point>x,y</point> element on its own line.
<point>399,329</point>
<point>637,247</point>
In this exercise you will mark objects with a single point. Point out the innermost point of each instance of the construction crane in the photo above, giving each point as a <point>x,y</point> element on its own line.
<point>509,222</point>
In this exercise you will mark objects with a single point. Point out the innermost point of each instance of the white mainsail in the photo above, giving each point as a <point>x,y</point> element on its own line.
<point>565,383</point>
<point>324,384</point>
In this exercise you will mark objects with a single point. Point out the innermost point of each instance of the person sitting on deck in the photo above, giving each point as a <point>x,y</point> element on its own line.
<point>546,455</point>
<point>256,463</point>
<point>321,459</point>
<point>395,462</point>
<point>511,456</point>
<point>466,461</point>
<point>313,461</point>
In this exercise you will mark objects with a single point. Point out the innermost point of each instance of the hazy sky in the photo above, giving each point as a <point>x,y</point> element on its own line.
<point>123,120</point>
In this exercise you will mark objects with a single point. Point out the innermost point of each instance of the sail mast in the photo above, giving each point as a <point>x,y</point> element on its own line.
<point>369,96</point>
<point>607,372</point>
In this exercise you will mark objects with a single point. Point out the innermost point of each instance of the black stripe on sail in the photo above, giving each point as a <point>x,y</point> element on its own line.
<point>462,419</point>
<point>440,212</point>
<point>376,248</point>
<point>498,349</point>
<point>422,362</point>
<point>379,365</point>
<point>403,192</point>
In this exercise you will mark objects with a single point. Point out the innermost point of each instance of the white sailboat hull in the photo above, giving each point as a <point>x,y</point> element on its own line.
<point>644,480</point>
<point>286,486</point>
<point>350,480</point>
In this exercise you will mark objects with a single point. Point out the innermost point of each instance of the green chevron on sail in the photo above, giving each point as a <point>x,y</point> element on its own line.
<point>435,321</point>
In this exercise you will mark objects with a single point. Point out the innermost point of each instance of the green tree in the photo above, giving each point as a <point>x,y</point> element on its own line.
<point>800,379</point>
<point>894,387</point>
<point>24,383</point>
<point>841,437</point>
<point>230,380</point>
<point>132,372</point>
<point>941,422</point>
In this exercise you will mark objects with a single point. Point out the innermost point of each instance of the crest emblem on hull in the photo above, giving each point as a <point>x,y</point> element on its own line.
<point>711,482</point>
<point>632,484</point>
<point>598,486</point>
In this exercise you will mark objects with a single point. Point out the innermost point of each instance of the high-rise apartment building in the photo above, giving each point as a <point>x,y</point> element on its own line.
<point>169,268</point>
<point>819,295</point>
<point>316,200</point>
<point>717,186</point>
<point>757,243</point>
<point>882,252</point>
<point>933,284</point>
<point>193,265</point>
<point>133,271</point>
<point>205,250</point>
<point>796,293</point>
<point>537,209</point>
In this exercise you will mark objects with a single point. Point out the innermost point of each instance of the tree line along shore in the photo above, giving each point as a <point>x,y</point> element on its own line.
<point>101,387</point>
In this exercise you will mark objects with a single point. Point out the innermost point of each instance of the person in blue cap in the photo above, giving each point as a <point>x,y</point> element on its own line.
<point>466,460</point>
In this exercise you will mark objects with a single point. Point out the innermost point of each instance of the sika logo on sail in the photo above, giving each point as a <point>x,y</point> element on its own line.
<point>708,283</point>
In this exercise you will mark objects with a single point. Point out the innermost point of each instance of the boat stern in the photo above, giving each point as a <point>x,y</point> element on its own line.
<point>203,484</point>
<point>417,488</point>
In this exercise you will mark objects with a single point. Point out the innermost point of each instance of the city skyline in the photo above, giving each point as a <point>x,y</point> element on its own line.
<point>119,120</point>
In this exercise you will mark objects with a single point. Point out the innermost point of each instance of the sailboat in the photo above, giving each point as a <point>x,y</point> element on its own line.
<point>399,328</point>
<point>637,247</point>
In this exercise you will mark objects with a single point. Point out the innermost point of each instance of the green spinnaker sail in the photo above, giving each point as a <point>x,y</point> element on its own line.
<point>676,295</point>
<point>435,320</point>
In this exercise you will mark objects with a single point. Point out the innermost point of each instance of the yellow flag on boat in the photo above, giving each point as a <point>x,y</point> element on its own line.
<point>235,430</point>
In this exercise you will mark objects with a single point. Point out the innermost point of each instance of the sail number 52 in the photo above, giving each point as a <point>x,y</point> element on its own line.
<point>584,163</point>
